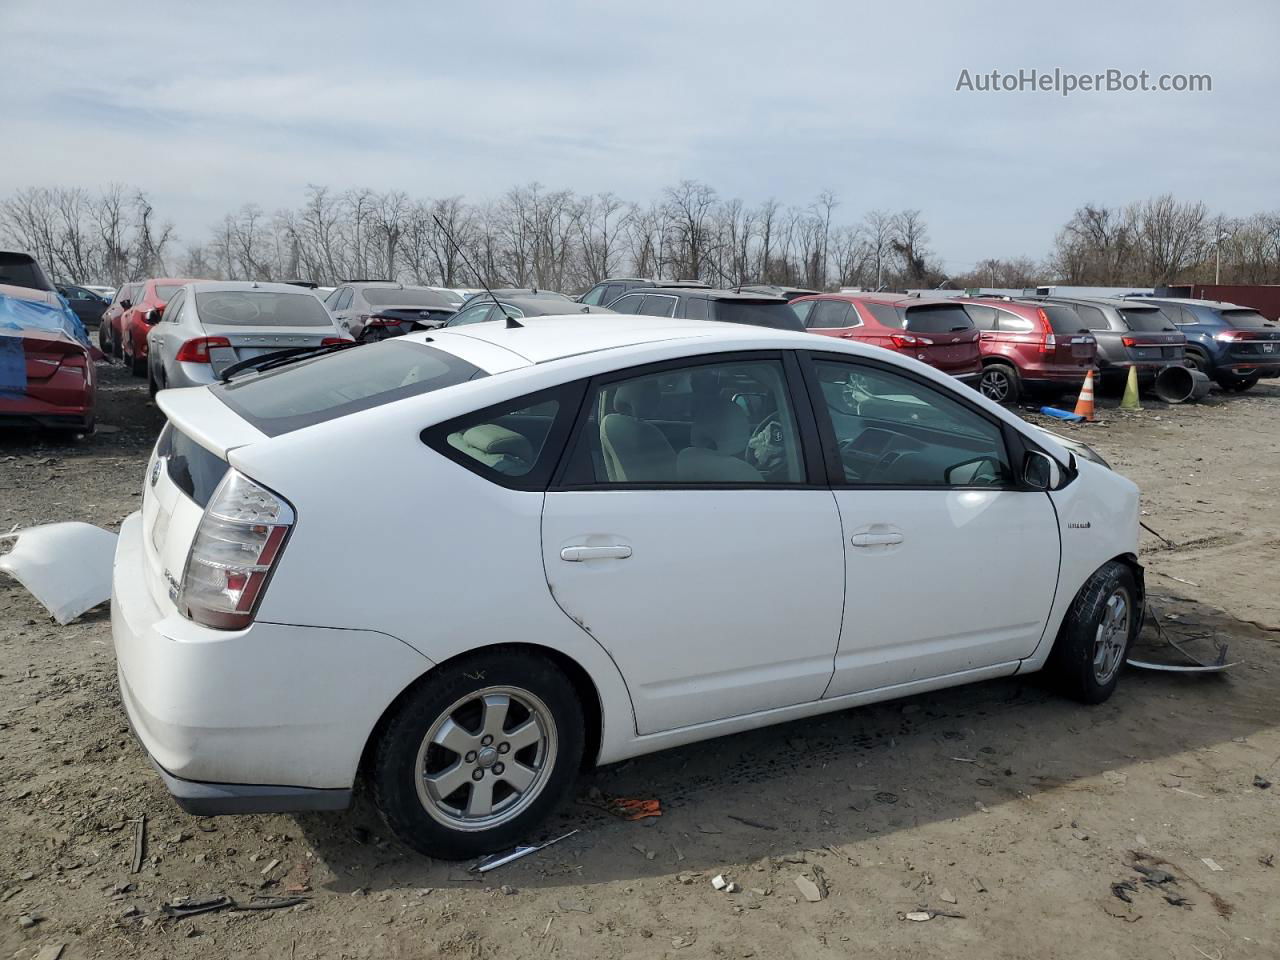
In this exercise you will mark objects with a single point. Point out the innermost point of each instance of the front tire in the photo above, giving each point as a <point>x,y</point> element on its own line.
<point>1000,383</point>
<point>1096,635</point>
<point>1235,384</point>
<point>479,754</point>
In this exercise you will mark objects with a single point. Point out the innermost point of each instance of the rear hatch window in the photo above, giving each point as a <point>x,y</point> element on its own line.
<point>943,318</point>
<point>776,314</point>
<point>1149,320</point>
<point>1062,319</point>
<point>21,270</point>
<point>411,297</point>
<point>1248,320</point>
<point>337,384</point>
<point>193,469</point>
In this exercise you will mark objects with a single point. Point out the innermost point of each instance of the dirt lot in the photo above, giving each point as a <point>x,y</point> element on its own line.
<point>999,802</point>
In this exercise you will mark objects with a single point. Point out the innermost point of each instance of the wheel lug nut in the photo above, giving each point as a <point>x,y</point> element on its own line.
<point>486,740</point>
<point>504,747</point>
<point>471,756</point>
<point>477,774</point>
<point>497,769</point>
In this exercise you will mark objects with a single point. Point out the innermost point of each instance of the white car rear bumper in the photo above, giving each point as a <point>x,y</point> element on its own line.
<point>273,717</point>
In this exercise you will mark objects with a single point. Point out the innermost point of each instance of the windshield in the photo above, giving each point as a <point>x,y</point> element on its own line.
<point>406,297</point>
<point>943,318</point>
<point>1147,321</point>
<point>1248,320</point>
<point>774,314</point>
<point>1063,319</point>
<point>261,308</point>
<point>337,384</point>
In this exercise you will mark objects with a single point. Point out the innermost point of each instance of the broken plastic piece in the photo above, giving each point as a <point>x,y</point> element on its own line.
<point>719,882</point>
<point>66,566</point>
<point>1194,665</point>
<point>502,859</point>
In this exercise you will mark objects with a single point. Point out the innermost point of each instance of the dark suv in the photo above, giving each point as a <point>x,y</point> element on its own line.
<point>705,303</point>
<point>1130,333</point>
<point>607,291</point>
<point>1234,345</point>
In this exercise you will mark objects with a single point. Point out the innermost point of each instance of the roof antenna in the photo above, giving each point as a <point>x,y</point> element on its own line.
<point>512,323</point>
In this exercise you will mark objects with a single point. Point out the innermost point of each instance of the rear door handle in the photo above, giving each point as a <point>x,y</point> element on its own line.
<point>875,539</point>
<point>577,554</point>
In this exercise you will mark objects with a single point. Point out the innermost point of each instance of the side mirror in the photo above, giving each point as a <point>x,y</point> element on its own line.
<point>151,317</point>
<point>126,304</point>
<point>1040,471</point>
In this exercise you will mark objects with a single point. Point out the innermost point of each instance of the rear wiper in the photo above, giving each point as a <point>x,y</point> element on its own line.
<point>278,358</point>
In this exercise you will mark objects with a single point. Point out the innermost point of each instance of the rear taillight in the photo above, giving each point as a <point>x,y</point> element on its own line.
<point>197,350</point>
<point>384,322</point>
<point>901,340</point>
<point>334,341</point>
<point>1226,336</point>
<point>1129,341</point>
<point>1048,343</point>
<point>236,547</point>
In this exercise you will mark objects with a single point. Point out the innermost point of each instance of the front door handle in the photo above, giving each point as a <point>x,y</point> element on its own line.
<point>875,539</point>
<point>577,554</point>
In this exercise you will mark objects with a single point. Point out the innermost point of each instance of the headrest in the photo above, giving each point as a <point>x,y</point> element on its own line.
<point>493,439</point>
<point>722,426</point>
<point>637,398</point>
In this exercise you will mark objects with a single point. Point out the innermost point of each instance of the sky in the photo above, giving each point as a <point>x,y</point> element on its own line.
<point>208,106</point>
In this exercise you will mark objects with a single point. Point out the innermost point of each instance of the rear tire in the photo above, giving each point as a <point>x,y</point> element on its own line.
<point>1000,382</point>
<point>1235,384</point>
<point>1200,362</point>
<point>1096,634</point>
<point>478,754</point>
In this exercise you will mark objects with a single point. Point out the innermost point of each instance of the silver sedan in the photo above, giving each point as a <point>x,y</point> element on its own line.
<point>206,327</point>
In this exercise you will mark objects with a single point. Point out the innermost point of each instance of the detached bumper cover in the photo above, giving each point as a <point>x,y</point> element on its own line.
<point>273,717</point>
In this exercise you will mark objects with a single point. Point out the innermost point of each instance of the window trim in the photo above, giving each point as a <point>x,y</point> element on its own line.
<point>801,407</point>
<point>1012,439</point>
<point>548,462</point>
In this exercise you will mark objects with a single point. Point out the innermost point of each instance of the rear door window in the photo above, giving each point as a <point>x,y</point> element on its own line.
<point>831,314</point>
<point>984,318</point>
<point>1094,319</point>
<point>1012,323</point>
<point>658,305</point>
<point>886,314</point>
<point>337,384</point>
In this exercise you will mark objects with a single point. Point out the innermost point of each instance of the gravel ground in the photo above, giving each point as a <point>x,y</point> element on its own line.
<point>998,803</point>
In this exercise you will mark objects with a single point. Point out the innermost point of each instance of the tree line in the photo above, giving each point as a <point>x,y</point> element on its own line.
<point>561,240</point>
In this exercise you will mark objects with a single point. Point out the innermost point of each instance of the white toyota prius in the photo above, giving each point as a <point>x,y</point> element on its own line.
<point>462,564</point>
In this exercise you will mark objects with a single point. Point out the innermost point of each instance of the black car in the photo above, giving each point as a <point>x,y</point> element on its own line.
<point>483,307</point>
<point>86,304</point>
<point>705,303</point>
<point>607,291</point>
<point>1130,333</point>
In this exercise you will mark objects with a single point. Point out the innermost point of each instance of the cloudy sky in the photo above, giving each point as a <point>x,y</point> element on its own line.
<point>210,105</point>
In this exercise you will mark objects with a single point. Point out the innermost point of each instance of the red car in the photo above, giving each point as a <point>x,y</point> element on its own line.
<point>936,331</point>
<point>150,295</point>
<point>109,327</point>
<point>46,376</point>
<point>1040,346</point>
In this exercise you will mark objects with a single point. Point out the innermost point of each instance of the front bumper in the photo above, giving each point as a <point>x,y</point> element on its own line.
<point>273,717</point>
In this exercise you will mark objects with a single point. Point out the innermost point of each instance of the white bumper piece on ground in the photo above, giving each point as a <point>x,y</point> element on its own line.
<point>66,566</point>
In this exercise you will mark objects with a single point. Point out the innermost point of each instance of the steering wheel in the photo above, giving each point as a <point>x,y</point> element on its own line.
<point>767,446</point>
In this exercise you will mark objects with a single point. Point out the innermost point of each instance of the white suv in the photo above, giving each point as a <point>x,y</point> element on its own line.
<point>478,559</point>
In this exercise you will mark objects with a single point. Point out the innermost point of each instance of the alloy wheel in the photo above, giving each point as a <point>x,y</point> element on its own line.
<point>486,758</point>
<point>995,385</point>
<point>1112,636</point>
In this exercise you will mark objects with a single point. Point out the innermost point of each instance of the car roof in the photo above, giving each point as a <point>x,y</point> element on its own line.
<point>258,286</point>
<point>711,293</point>
<point>1118,303</point>
<point>539,306</point>
<point>1192,302</point>
<point>890,299</point>
<point>547,338</point>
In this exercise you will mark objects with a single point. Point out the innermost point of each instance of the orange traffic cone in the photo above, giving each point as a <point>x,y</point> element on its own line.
<point>1084,406</point>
